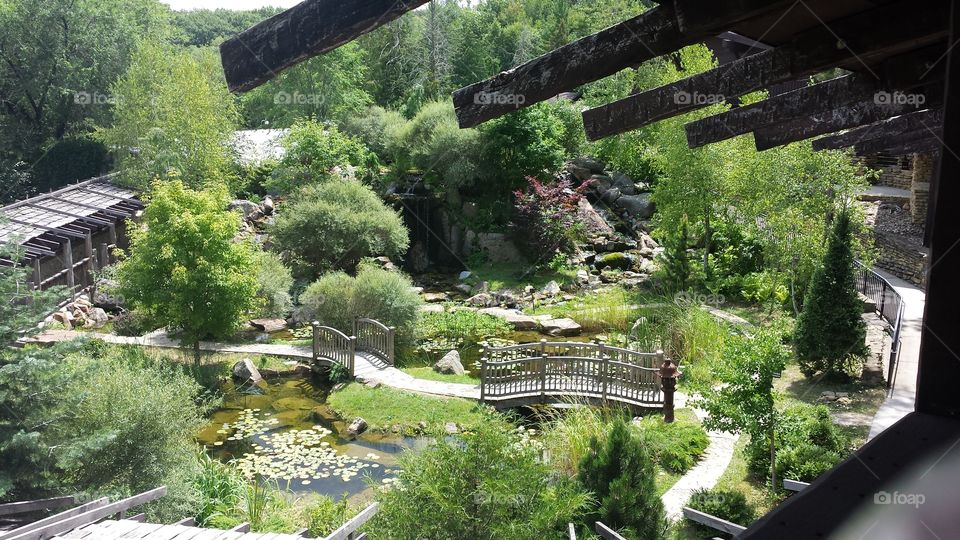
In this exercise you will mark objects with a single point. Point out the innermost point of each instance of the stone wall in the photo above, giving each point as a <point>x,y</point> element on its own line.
<point>923,168</point>
<point>901,258</point>
<point>895,172</point>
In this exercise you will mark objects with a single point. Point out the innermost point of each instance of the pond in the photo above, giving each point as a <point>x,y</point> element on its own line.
<point>289,435</point>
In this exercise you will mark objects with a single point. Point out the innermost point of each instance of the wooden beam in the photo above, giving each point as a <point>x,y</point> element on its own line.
<point>879,32</point>
<point>696,15</point>
<point>24,507</point>
<point>72,522</point>
<point>346,530</point>
<point>833,120</point>
<point>606,532</point>
<point>122,214</point>
<point>891,127</point>
<point>930,143</point>
<point>313,27</point>
<point>897,74</point>
<point>794,485</point>
<point>241,528</point>
<point>187,522</point>
<point>712,521</point>
<point>53,230</point>
<point>651,34</point>
<point>83,508</point>
<point>90,219</point>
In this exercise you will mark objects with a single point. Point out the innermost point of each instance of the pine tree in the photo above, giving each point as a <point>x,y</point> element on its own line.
<point>620,473</point>
<point>830,330</point>
<point>676,262</point>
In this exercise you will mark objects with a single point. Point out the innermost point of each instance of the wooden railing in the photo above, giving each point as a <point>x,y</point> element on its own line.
<point>334,345</point>
<point>348,531</point>
<point>376,338</point>
<point>555,370</point>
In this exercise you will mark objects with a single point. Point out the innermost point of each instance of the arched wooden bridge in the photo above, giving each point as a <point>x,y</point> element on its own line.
<point>570,372</point>
<point>331,346</point>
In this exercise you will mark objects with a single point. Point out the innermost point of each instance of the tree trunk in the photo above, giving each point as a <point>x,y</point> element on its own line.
<point>707,243</point>
<point>773,462</point>
<point>196,353</point>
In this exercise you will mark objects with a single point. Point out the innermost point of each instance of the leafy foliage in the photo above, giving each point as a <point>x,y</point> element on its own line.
<point>275,281</point>
<point>809,444</point>
<point>676,446</point>
<point>67,161</point>
<point>619,472</point>
<point>333,225</point>
<point>173,114</point>
<point>830,330</point>
<point>545,217</point>
<point>336,299</point>
<point>184,270</point>
<point>675,260</point>
<point>483,485</point>
<point>724,504</point>
<point>22,306</point>
<point>312,153</point>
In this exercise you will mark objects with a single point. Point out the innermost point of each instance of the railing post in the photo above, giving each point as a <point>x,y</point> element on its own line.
<point>604,369</point>
<point>391,343</point>
<point>483,378</point>
<point>543,377</point>
<point>352,355</point>
<point>668,384</point>
<point>316,340</point>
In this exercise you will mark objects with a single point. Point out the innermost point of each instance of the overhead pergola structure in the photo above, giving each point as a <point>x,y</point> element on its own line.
<point>888,53</point>
<point>67,235</point>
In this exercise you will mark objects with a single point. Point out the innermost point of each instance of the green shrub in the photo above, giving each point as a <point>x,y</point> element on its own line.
<point>334,225</point>
<point>483,485</point>
<point>132,323</point>
<point>375,128</point>
<point>275,281</point>
<point>567,437</point>
<point>808,444</point>
<point>615,261</point>
<point>461,326</point>
<point>324,516</point>
<point>620,473</point>
<point>312,151</point>
<point>219,490</point>
<point>723,503</point>
<point>337,299</point>
<point>675,447</point>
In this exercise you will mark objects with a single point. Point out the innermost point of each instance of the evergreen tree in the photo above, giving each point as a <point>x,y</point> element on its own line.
<point>676,262</point>
<point>620,473</point>
<point>830,330</point>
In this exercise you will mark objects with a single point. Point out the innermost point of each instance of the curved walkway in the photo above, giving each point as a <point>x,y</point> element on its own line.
<point>900,401</point>
<point>368,368</point>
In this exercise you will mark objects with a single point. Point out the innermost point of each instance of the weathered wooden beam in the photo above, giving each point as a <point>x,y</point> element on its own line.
<point>651,34</point>
<point>312,27</point>
<point>23,507</point>
<point>897,74</point>
<point>606,532</point>
<point>833,120</point>
<point>697,15</point>
<point>865,37</point>
<point>889,128</point>
<point>909,143</point>
<point>83,508</point>
<point>712,521</point>
<point>89,219</point>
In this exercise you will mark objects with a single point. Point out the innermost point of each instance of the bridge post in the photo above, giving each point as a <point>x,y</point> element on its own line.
<point>668,384</point>
<point>543,378</point>
<point>604,369</point>
<point>483,375</point>
<point>316,340</point>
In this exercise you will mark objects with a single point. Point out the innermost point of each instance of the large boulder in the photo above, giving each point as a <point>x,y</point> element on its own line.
<point>588,163</point>
<point>482,300</point>
<point>589,216</point>
<point>246,372</point>
<point>600,183</point>
<point>450,364</point>
<point>624,183</point>
<point>104,296</point>
<point>637,206</point>
<point>561,327</point>
<point>247,208</point>
<point>611,195</point>
<point>582,174</point>
<point>269,325</point>
<point>614,261</point>
<point>267,206</point>
<point>518,320</point>
<point>97,318</point>
<point>551,289</point>
<point>358,426</point>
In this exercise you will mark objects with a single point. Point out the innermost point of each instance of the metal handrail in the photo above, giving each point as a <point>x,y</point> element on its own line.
<point>889,304</point>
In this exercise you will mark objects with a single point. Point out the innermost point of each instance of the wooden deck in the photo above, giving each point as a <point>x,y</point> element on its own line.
<point>126,528</point>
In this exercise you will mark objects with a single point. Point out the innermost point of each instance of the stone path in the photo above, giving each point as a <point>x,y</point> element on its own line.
<point>368,368</point>
<point>900,402</point>
<point>876,193</point>
<point>705,474</point>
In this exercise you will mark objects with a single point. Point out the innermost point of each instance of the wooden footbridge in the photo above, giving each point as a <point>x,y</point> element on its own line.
<point>529,373</point>
<point>101,519</point>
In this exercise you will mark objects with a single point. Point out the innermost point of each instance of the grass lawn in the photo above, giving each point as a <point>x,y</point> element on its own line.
<point>795,387</point>
<point>385,407</point>
<point>517,276</point>
<point>429,374</point>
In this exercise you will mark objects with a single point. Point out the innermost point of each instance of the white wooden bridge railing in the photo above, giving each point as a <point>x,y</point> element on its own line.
<point>558,369</point>
<point>334,345</point>
<point>376,338</point>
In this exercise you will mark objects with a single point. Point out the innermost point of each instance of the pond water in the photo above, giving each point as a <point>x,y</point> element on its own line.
<point>470,353</point>
<point>289,435</point>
